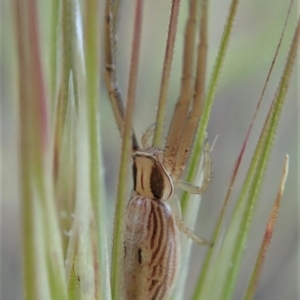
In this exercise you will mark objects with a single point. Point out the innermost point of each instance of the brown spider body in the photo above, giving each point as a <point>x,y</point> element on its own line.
<point>151,238</point>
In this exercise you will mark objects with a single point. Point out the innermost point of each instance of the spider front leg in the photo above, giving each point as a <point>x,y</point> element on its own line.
<point>110,73</point>
<point>174,138</point>
<point>194,189</point>
<point>186,117</point>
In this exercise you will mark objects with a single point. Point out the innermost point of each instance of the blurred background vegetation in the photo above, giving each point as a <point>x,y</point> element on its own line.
<point>255,35</point>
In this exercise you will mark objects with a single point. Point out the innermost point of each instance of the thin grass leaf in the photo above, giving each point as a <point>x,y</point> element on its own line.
<point>72,263</point>
<point>162,101</point>
<point>87,270</point>
<point>118,239</point>
<point>268,235</point>
<point>29,264</point>
<point>53,41</point>
<point>97,186</point>
<point>67,33</point>
<point>65,187</point>
<point>74,283</point>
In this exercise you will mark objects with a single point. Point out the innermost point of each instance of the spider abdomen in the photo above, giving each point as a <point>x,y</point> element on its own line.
<point>151,250</point>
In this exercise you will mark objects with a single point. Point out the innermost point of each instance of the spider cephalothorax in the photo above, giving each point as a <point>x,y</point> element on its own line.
<point>149,175</point>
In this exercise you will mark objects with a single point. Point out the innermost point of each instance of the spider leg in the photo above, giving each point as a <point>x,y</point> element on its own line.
<point>176,210</point>
<point>191,126</point>
<point>194,189</point>
<point>147,135</point>
<point>183,103</point>
<point>110,73</point>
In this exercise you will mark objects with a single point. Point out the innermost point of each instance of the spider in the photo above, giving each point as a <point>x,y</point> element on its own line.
<point>151,245</point>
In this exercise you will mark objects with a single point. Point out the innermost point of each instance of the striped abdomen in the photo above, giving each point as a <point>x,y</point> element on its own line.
<point>151,250</point>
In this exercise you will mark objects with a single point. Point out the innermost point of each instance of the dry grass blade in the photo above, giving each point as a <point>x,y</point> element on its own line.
<point>268,235</point>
